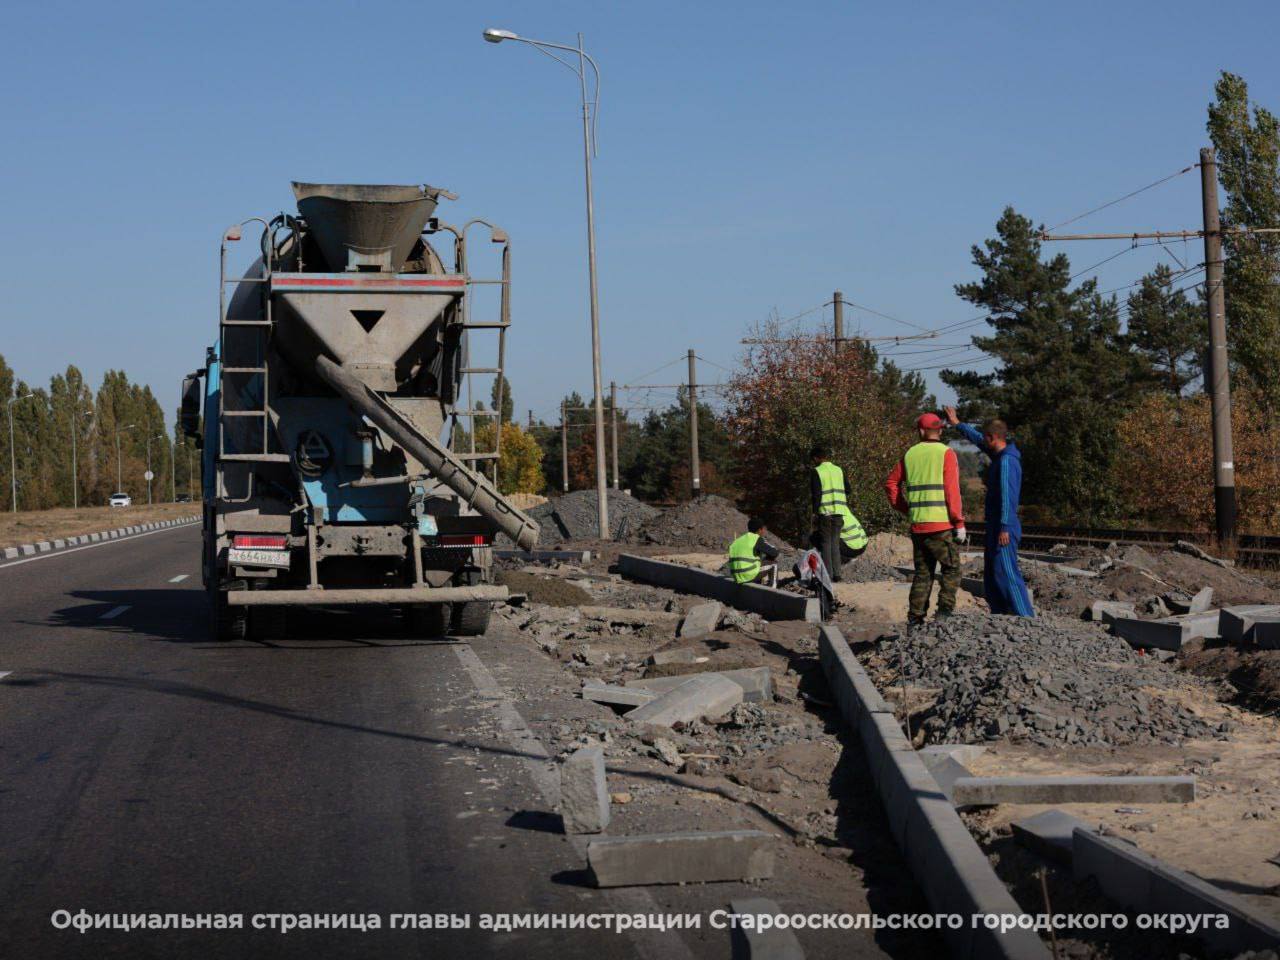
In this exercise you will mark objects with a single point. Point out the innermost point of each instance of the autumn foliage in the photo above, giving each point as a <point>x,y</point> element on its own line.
<point>798,391</point>
<point>1164,472</point>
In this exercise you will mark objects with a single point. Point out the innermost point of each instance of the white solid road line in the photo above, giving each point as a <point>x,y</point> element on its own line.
<point>114,612</point>
<point>104,543</point>
<point>179,578</point>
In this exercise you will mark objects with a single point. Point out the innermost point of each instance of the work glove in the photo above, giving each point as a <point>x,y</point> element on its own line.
<point>961,535</point>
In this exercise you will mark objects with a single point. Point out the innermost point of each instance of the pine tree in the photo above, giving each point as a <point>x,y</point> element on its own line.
<point>1170,330</point>
<point>1065,374</point>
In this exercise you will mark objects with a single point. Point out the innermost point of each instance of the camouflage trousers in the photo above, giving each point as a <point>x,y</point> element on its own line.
<point>930,551</point>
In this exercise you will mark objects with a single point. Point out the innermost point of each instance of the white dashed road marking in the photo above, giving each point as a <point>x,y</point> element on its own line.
<point>114,612</point>
<point>5,673</point>
<point>179,578</point>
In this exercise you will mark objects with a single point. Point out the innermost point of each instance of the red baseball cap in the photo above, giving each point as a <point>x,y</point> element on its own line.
<point>929,421</point>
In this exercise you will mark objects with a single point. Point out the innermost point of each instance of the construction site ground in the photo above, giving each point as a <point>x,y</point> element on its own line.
<point>790,766</point>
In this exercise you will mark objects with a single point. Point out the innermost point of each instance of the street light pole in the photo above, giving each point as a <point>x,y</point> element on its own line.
<point>119,470</point>
<point>150,475</point>
<point>75,481</point>
<point>13,456</point>
<point>588,144</point>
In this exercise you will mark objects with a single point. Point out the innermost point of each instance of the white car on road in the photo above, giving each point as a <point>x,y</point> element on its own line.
<point>120,500</point>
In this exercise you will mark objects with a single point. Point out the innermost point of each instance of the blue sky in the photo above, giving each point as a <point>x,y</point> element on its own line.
<point>753,157</point>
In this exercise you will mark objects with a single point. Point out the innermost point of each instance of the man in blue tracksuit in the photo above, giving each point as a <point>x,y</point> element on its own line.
<point>1006,590</point>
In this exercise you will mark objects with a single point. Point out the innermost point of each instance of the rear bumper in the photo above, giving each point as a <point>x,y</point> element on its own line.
<point>303,597</point>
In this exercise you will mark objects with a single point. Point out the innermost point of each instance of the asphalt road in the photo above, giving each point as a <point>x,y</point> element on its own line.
<point>144,770</point>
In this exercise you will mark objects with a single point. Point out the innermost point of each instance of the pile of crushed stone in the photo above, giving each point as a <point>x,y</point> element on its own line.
<point>1051,681</point>
<point>709,523</point>
<point>573,516</point>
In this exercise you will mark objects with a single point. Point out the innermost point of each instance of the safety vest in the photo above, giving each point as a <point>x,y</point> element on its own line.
<point>926,497</point>
<point>833,500</point>
<point>744,565</point>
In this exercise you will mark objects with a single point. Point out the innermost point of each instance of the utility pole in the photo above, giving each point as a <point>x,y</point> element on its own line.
<point>1218,379</point>
<point>1217,376</point>
<point>531,421</point>
<point>837,301</point>
<point>564,449</point>
<point>693,427</point>
<point>173,474</point>
<point>613,428</point>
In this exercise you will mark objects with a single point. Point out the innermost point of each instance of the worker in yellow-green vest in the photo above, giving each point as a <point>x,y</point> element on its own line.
<point>752,559</point>
<point>829,493</point>
<point>925,485</point>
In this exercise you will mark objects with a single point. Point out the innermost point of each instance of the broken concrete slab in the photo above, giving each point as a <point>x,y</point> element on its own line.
<point>946,770</point>
<point>1198,604</point>
<point>1266,633</point>
<point>601,692</point>
<point>1168,633</point>
<point>677,655</point>
<point>1236,623</point>
<point>756,682</point>
<point>769,602</point>
<point>1049,834</point>
<point>702,695</point>
<point>631,618</point>
<point>988,791</point>
<point>702,619</point>
<point>1143,884</point>
<point>695,857</point>
<point>752,943</point>
<point>584,794</point>
<point>1108,610</point>
<point>959,752</point>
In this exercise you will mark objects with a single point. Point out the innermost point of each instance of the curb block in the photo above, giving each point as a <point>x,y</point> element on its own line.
<point>770,603</point>
<point>45,546</point>
<point>944,859</point>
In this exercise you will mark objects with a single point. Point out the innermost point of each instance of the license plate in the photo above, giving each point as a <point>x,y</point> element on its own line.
<point>243,557</point>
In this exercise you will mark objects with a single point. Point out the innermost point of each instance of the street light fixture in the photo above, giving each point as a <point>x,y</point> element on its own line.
<point>119,471</point>
<point>13,456</point>
<point>75,482</point>
<point>150,475</point>
<point>590,108</point>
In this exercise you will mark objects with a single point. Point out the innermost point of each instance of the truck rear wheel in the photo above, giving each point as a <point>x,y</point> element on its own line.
<point>268,622</point>
<point>226,622</point>
<point>471,619</point>
<point>429,621</point>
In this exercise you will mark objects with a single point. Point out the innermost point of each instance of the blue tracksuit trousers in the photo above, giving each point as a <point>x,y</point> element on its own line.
<point>1002,580</point>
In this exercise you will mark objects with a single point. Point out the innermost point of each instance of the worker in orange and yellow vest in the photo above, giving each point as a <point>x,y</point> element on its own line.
<point>925,485</point>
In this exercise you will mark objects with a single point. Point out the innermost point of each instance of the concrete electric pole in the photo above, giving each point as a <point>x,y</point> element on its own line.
<point>613,428</point>
<point>1218,376</point>
<point>693,428</point>
<point>564,449</point>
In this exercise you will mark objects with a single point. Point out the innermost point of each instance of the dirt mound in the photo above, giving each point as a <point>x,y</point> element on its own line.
<point>890,549</point>
<point>1254,674</point>
<point>710,522</point>
<point>554,592</point>
<point>526,501</point>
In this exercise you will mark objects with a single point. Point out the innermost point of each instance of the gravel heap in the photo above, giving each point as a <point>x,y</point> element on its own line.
<point>709,523</point>
<point>1049,680</point>
<point>574,517</point>
<point>866,569</point>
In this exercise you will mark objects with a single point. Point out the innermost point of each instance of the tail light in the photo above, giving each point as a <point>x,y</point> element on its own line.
<point>260,541</point>
<point>464,540</point>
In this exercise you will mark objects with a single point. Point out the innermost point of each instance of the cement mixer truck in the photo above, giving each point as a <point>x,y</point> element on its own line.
<point>328,413</point>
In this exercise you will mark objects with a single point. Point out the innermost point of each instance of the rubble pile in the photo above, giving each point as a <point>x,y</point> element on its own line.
<point>709,522</point>
<point>1050,681</point>
<point>574,516</point>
